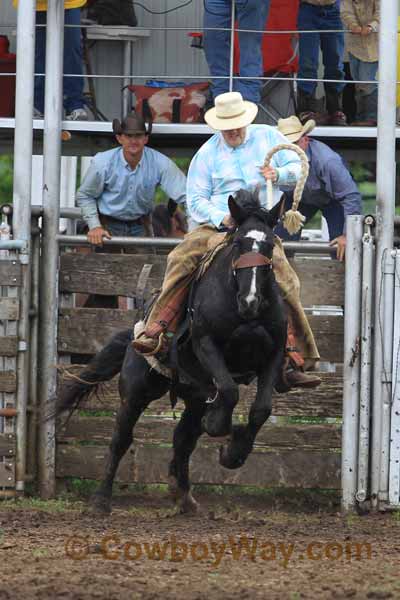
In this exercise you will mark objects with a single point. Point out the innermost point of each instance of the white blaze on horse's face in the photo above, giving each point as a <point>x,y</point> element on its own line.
<point>257,236</point>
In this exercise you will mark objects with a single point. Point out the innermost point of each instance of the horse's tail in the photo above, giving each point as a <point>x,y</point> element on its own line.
<point>104,366</point>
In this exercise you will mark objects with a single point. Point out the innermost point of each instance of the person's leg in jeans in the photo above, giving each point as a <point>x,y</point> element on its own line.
<point>309,44</point>
<point>355,74</point>
<point>116,229</point>
<point>251,14</point>
<point>217,13</point>
<point>332,46</point>
<point>73,62</point>
<point>40,60</point>
<point>366,93</point>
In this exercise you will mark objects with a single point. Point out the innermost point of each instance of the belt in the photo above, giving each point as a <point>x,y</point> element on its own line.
<point>105,218</point>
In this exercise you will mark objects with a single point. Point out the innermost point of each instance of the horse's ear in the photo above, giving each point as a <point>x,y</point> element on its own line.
<point>276,212</point>
<point>236,211</point>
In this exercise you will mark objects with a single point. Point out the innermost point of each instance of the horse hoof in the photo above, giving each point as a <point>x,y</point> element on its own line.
<point>228,461</point>
<point>188,505</point>
<point>100,505</point>
<point>216,426</point>
<point>173,488</point>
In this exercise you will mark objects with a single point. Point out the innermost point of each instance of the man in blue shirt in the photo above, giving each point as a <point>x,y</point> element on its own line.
<point>329,188</point>
<point>230,160</point>
<point>117,192</point>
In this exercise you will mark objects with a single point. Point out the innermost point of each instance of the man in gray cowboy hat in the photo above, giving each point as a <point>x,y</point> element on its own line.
<point>329,188</point>
<point>230,160</point>
<point>117,191</point>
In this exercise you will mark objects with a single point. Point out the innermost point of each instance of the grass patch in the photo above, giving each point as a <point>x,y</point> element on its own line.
<point>77,488</point>
<point>57,505</point>
<point>396,516</point>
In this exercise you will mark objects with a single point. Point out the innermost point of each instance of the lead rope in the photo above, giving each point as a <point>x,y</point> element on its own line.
<point>292,219</point>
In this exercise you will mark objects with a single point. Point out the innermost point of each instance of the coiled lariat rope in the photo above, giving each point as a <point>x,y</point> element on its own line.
<point>292,219</point>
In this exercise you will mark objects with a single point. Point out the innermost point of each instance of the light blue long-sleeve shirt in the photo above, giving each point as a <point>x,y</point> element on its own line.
<point>111,187</point>
<point>217,171</point>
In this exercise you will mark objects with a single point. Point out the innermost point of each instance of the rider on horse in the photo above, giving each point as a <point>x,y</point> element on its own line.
<point>230,160</point>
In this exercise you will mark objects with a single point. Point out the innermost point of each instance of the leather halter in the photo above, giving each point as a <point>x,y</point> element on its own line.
<point>251,259</point>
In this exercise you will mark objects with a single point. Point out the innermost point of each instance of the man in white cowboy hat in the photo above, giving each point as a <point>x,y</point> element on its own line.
<point>230,160</point>
<point>329,188</point>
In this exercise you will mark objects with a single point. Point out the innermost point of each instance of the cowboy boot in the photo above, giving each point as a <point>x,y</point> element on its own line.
<point>153,341</point>
<point>293,374</point>
<point>334,106</point>
<point>307,108</point>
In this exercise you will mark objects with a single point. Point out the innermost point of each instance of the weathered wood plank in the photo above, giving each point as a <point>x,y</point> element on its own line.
<point>322,281</point>
<point>7,473</point>
<point>9,309</point>
<point>329,336</point>
<point>89,461</point>
<point>86,330</point>
<point>7,444</point>
<point>108,274</point>
<point>149,464</point>
<point>10,273</point>
<point>8,345</point>
<point>297,469</point>
<point>324,401</point>
<point>160,430</point>
<point>8,381</point>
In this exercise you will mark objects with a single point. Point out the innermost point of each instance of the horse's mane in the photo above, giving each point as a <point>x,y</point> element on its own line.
<point>249,205</point>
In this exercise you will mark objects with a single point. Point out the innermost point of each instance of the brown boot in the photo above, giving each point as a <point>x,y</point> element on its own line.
<point>296,377</point>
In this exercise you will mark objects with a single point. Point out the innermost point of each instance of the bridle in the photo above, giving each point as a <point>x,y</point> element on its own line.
<point>251,259</point>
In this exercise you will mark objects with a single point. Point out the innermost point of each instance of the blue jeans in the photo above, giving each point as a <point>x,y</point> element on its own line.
<point>117,229</point>
<point>333,213</point>
<point>123,229</point>
<point>331,44</point>
<point>72,86</point>
<point>366,93</point>
<point>250,14</point>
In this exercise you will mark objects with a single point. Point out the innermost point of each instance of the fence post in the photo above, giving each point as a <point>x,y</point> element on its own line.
<point>351,366</point>
<point>23,143</point>
<point>367,289</point>
<point>50,252</point>
<point>384,286</point>
<point>394,465</point>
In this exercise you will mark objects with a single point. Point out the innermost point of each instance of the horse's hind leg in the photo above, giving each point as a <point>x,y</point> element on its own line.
<point>186,434</point>
<point>122,438</point>
<point>138,387</point>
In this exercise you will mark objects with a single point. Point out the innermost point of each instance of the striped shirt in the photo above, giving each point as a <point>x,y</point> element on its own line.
<point>218,170</point>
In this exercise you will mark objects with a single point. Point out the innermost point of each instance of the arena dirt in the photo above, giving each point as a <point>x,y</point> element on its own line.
<point>238,546</point>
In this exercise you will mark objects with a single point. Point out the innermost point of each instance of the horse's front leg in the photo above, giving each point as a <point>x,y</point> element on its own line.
<point>218,418</point>
<point>242,438</point>
<point>186,434</point>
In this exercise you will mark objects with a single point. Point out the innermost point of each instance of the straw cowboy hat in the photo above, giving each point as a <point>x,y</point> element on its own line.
<point>131,124</point>
<point>230,112</point>
<point>293,129</point>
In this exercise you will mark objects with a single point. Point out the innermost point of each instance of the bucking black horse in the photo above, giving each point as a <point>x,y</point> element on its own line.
<point>238,333</point>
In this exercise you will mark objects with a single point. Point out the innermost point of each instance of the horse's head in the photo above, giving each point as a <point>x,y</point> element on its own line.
<point>253,244</point>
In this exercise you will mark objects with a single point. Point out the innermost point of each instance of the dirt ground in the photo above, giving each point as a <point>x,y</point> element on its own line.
<point>238,546</point>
